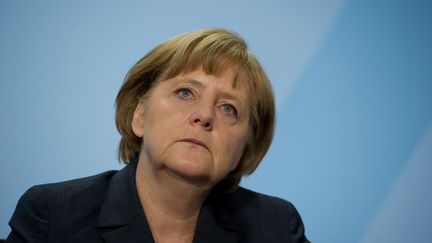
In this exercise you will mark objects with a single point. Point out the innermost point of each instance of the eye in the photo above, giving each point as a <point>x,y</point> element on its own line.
<point>229,109</point>
<point>184,93</point>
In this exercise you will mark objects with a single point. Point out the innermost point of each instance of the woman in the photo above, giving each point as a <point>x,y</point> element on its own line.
<point>195,115</point>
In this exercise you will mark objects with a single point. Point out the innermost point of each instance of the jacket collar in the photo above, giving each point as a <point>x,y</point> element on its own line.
<point>122,218</point>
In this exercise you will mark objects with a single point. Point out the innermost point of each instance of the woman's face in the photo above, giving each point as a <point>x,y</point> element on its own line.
<point>194,126</point>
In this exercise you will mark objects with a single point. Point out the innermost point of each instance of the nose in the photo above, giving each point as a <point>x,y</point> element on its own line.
<point>203,117</point>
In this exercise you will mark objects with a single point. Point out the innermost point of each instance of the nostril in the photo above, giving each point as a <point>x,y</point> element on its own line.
<point>205,123</point>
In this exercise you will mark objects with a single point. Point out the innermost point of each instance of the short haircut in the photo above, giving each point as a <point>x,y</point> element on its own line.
<point>215,50</point>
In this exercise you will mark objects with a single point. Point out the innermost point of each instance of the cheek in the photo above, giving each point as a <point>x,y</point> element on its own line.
<point>164,114</point>
<point>163,123</point>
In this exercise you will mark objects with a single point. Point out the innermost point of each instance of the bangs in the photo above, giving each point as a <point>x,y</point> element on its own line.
<point>216,54</point>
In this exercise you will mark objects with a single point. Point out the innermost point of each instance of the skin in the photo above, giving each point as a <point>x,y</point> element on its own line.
<point>194,129</point>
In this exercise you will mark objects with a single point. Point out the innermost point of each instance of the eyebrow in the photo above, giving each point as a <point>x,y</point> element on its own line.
<point>192,81</point>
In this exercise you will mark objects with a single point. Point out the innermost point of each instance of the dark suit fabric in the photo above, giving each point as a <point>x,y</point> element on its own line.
<point>106,208</point>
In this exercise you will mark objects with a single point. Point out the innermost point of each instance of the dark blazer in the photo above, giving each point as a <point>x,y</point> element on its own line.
<point>106,208</point>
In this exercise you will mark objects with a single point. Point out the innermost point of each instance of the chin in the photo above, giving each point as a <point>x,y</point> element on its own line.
<point>197,172</point>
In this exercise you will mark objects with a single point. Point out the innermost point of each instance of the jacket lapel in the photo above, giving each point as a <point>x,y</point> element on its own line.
<point>122,218</point>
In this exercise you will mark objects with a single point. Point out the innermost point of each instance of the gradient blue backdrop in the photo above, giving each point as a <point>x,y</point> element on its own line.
<point>352,79</point>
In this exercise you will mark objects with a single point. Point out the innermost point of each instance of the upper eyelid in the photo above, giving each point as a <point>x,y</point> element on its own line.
<point>231,103</point>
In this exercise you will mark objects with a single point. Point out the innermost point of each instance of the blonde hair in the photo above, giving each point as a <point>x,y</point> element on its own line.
<point>215,50</point>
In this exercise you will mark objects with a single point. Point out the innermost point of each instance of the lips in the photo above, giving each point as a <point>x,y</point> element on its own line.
<point>195,141</point>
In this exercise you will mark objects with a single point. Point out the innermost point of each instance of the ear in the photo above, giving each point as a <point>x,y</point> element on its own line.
<point>138,120</point>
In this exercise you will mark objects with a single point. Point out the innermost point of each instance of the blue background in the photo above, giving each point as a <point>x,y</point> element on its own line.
<point>352,79</point>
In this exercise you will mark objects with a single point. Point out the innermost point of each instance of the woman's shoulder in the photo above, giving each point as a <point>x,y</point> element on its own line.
<point>75,200</point>
<point>259,215</point>
<point>70,189</point>
<point>79,185</point>
<point>80,193</point>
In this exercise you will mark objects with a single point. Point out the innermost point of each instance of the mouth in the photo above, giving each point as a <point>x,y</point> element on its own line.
<point>195,141</point>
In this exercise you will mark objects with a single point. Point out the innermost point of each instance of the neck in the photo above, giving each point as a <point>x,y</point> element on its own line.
<point>171,203</point>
